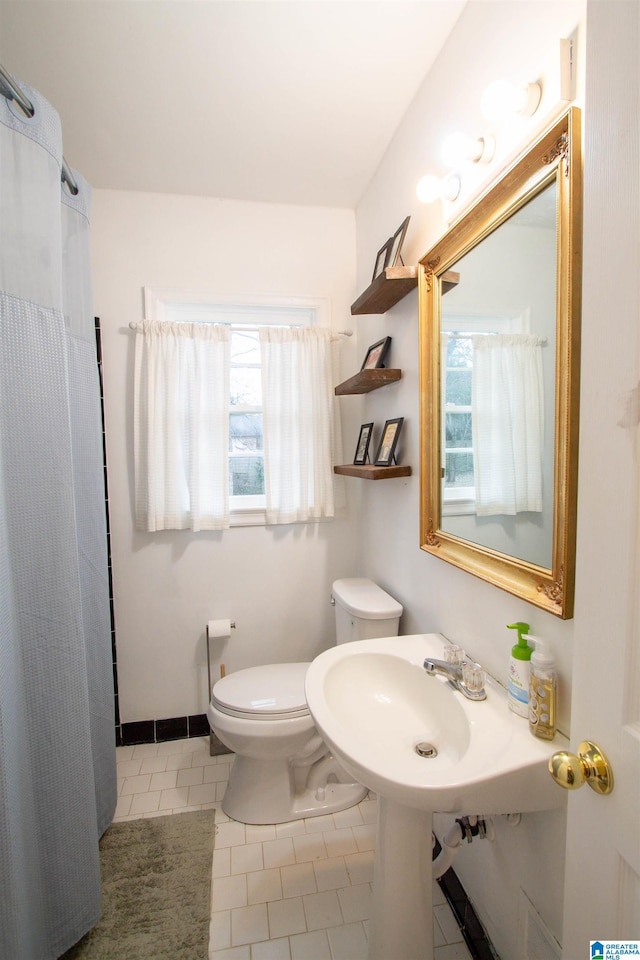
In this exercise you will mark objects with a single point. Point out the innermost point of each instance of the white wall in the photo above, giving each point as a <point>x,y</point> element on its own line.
<point>274,582</point>
<point>491,40</point>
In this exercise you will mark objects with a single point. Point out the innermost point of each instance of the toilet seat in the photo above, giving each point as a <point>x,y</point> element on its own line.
<point>274,691</point>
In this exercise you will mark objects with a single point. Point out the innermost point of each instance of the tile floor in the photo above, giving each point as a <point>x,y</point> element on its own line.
<point>291,891</point>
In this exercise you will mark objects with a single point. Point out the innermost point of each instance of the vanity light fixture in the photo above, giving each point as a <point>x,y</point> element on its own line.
<point>458,149</point>
<point>431,188</point>
<point>503,99</point>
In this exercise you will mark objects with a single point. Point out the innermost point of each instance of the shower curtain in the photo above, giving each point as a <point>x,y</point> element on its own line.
<point>57,741</point>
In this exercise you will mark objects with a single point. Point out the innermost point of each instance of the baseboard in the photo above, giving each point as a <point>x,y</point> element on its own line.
<point>159,731</point>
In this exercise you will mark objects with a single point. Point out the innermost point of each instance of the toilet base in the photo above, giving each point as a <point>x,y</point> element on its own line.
<point>264,791</point>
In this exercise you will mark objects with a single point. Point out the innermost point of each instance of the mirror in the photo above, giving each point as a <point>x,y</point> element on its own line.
<point>499,370</point>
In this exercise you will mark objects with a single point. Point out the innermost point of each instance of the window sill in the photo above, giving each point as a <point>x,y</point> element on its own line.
<point>252,517</point>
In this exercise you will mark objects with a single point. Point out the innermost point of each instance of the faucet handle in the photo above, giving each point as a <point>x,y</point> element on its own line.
<point>473,676</point>
<point>453,653</point>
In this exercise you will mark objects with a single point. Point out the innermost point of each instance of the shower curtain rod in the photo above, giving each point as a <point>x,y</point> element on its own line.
<point>10,89</point>
<point>134,325</point>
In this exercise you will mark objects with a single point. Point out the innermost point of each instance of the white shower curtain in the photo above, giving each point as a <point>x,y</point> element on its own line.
<point>57,736</point>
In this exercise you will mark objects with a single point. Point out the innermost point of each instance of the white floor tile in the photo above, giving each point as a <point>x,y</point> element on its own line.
<point>202,793</point>
<point>278,853</point>
<point>142,750</point>
<point>173,799</point>
<point>246,857</point>
<point>233,953</point>
<point>229,834</point>
<point>365,836</point>
<point>263,885</point>
<point>351,817</point>
<point>188,776</point>
<point>129,768</point>
<point>340,842</point>
<point>163,781</point>
<point>348,942</point>
<point>452,951</point>
<point>221,862</point>
<point>310,946</point>
<point>298,879</point>
<point>228,892</point>
<point>152,764</point>
<point>360,866</point>
<point>259,832</point>
<point>286,917</point>
<point>447,922</point>
<point>271,949</point>
<point>309,846</point>
<point>319,824</point>
<point>249,924</point>
<point>322,910</point>
<point>139,784</point>
<point>220,930</point>
<point>355,902</point>
<point>145,802</point>
<point>330,873</point>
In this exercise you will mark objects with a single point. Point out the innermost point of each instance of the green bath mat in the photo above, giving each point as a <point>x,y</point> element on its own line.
<point>156,890</point>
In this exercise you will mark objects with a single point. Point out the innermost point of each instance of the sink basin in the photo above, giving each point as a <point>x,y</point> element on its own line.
<point>373,702</point>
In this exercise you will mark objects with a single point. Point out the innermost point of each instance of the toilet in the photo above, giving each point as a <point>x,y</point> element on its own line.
<point>283,770</point>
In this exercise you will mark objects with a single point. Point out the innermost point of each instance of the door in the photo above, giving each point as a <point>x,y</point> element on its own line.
<point>602,878</point>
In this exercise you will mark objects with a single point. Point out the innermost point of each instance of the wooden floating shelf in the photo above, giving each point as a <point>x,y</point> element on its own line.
<point>392,285</point>
<point>368,471</point>
<point>387,289</point>
<point>367,380</point>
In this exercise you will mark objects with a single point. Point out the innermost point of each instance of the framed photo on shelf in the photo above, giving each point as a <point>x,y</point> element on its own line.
<point>388,441</point>
<point>382,259</point>
<point>376,354</point>
<point>362,450</point>
<point>396,243</point>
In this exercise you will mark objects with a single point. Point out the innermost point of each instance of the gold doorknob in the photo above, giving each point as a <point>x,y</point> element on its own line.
<point>589,766</point>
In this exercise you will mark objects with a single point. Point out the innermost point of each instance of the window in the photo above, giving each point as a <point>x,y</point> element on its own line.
<point>252,496</point>
<point>246,442</point>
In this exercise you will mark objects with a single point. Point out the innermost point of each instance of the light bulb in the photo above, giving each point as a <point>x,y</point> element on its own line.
<point>459,149</point>
<point>503,99</point>
<point>431,188</point>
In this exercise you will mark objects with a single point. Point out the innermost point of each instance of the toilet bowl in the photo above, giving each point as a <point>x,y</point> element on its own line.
<point>283,770</point>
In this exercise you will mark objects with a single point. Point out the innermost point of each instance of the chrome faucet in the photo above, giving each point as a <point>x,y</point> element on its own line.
<point>465,676</point>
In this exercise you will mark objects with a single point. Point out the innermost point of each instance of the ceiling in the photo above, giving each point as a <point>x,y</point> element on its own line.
<point>283,101</point>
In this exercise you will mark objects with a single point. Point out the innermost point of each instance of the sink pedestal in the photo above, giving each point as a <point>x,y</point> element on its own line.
<point>402,907</point>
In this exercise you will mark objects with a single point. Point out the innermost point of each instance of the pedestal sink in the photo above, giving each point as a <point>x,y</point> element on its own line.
<point>373,703</point>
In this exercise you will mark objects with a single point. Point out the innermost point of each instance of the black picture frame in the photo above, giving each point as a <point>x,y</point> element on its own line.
<point>382,259</point>
<point>362,449</point>
<point>385,453</point>
<point>396,243</point>
<point>376,354</point>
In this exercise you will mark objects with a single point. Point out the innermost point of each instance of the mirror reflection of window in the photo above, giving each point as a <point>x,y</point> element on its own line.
<point>458,333</point>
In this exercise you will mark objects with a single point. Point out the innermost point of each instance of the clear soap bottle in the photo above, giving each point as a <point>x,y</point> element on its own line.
<point>542,691</point>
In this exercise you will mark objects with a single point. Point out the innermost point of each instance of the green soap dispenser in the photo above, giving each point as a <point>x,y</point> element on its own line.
<point>519,671</point>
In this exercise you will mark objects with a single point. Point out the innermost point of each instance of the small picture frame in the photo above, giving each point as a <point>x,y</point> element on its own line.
<point>396,243</point>
<point>388,441</point>
<point>376,354</point>
<point>362,450</point>
<point>382,259</point>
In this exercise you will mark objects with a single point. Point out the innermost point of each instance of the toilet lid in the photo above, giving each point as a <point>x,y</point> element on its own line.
<point>273,691</point>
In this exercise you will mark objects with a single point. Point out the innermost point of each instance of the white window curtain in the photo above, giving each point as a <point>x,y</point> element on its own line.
<point>181,426</point>
<point>508,423</point>
<point>299,437</point>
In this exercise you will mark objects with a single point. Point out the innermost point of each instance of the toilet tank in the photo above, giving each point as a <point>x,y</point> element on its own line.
<point>364,610</point>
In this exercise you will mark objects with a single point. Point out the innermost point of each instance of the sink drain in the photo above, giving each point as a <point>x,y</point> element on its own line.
<point>424,749</point>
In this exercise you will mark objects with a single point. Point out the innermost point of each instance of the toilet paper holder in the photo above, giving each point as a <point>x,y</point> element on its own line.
<point>215,745</point>
<point>231,626</point>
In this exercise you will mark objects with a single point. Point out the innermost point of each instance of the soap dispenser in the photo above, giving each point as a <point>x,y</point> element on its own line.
<point>542,691</point>
<point>519,671</point>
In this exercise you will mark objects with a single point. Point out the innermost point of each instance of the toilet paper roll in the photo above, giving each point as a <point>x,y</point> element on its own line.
<point>218,628</point>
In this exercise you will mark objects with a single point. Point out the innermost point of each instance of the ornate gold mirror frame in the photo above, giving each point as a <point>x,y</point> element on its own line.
<point>554,158</point>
